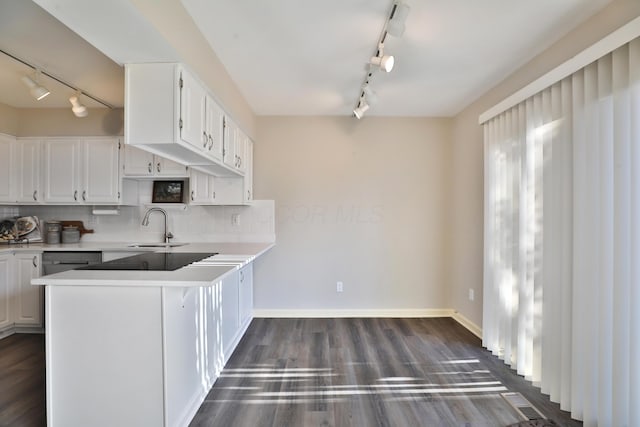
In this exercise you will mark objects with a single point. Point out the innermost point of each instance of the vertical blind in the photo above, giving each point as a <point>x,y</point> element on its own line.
<point>562,240</point>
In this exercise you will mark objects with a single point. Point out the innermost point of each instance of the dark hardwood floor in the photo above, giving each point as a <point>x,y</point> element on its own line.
<point>365,372</point>
<point>325,372</point>
<point>22,381</point>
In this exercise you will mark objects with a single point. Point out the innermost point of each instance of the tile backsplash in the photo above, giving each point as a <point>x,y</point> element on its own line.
<point>254,223</point>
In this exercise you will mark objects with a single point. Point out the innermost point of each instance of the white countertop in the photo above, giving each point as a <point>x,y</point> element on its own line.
<point>231,256</point>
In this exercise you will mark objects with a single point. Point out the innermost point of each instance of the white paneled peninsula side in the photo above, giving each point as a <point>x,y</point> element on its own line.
<point>143,348</point>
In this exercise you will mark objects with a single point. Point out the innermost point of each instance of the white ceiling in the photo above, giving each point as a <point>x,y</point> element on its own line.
<point>292,57</point>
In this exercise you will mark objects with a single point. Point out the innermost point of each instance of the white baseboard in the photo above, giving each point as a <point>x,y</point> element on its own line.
<point>472,327</point>
<point>368,313</point>
<point>321,313</point>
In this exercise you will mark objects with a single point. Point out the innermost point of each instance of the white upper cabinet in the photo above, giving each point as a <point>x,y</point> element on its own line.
<point>166,114</point>
<point>81,170</point>
<point>229,154</point>
<point>100,166</point>
<point>7,169</point>
<point>62,170</point>
<point>248,173</point>
<point>214,127</point>
<point>28,166</point>
<point>192,107</point>
<point>141,163</point>
<point>201,188</point>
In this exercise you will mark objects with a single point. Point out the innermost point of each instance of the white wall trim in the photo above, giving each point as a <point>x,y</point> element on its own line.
<point>472,327</point>
<point>368,313</point>
<point>322,313</point>
<point>619,37</point>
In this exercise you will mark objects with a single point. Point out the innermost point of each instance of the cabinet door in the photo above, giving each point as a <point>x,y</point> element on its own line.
<point>166,167</point>
<point>28,164</point>
<point>62,171</point>
<point>248,173</point>
<point>192,101</point>
<point>101,178</point>
<point>137,162</point>
<point>7,169</point>
<point>199,186</point>
<point>6,291</point>
<point>241,146</point>
<point>230,315</point>
<point>230,138</point>
<point>29,297</point>
<point>246,294</point>
<point>215,128</point>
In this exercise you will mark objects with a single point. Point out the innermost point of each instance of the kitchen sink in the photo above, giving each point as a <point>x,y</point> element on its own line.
<point>156,245</point>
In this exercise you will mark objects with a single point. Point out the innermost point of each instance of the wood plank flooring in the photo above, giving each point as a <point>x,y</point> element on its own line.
<point>22,381</point>
<point>365,372</point>
<point>325,372</point>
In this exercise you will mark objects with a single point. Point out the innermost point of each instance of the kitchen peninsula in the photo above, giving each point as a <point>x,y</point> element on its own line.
<point>142,347</point>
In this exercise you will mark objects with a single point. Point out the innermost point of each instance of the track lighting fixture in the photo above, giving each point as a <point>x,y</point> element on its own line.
<point>361,108</point>
<point>37,91</point>
<point>78,109</point>
<point>384,62</point>
<point>396,25</point>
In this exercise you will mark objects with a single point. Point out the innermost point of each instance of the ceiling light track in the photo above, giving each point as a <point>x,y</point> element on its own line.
<point>69,85</point>
<point>395,26</point>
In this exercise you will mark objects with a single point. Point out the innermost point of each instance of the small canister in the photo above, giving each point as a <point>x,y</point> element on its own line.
<point>54,229</point>
<point>70,234</point>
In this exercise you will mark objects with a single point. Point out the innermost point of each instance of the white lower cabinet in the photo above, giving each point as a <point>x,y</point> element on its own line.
<point>230,314</point>
<point>6,292</point>
<point>21,304</point>
<point>245,290</point>
<point>167,346</point>
<point>28,297</point>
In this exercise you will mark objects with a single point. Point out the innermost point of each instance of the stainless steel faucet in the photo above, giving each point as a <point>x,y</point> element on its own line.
<point>145,222</point>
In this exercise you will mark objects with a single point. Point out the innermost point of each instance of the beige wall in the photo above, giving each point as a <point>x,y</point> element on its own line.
<point>8,120</point>
<point>362,202</point>
<point>60,122</point>
<point>467,152</point>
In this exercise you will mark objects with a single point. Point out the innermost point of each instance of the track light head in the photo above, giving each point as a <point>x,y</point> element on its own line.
<point>78,109</point>
<point>37,91</point>
<point>362,108</point>
<point>396,25</point>
<point>384,62</point>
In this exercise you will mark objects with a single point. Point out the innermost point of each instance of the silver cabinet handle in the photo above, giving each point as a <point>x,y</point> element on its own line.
<point>75,195</point>
<point>84,195</point>
<point>214,194</point>
<point>158,167</point>
<point>210,142</point>
<point>35,261</point>
<point>192,195</point>
<point>35,195</point>
<point>149,167</point>
<point>248,194</point>
<point>204,135</point>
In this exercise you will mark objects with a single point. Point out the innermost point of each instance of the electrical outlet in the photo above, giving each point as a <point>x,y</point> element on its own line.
<point>235,219</point>
<point>472,295</point>
<point>339,287</point>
